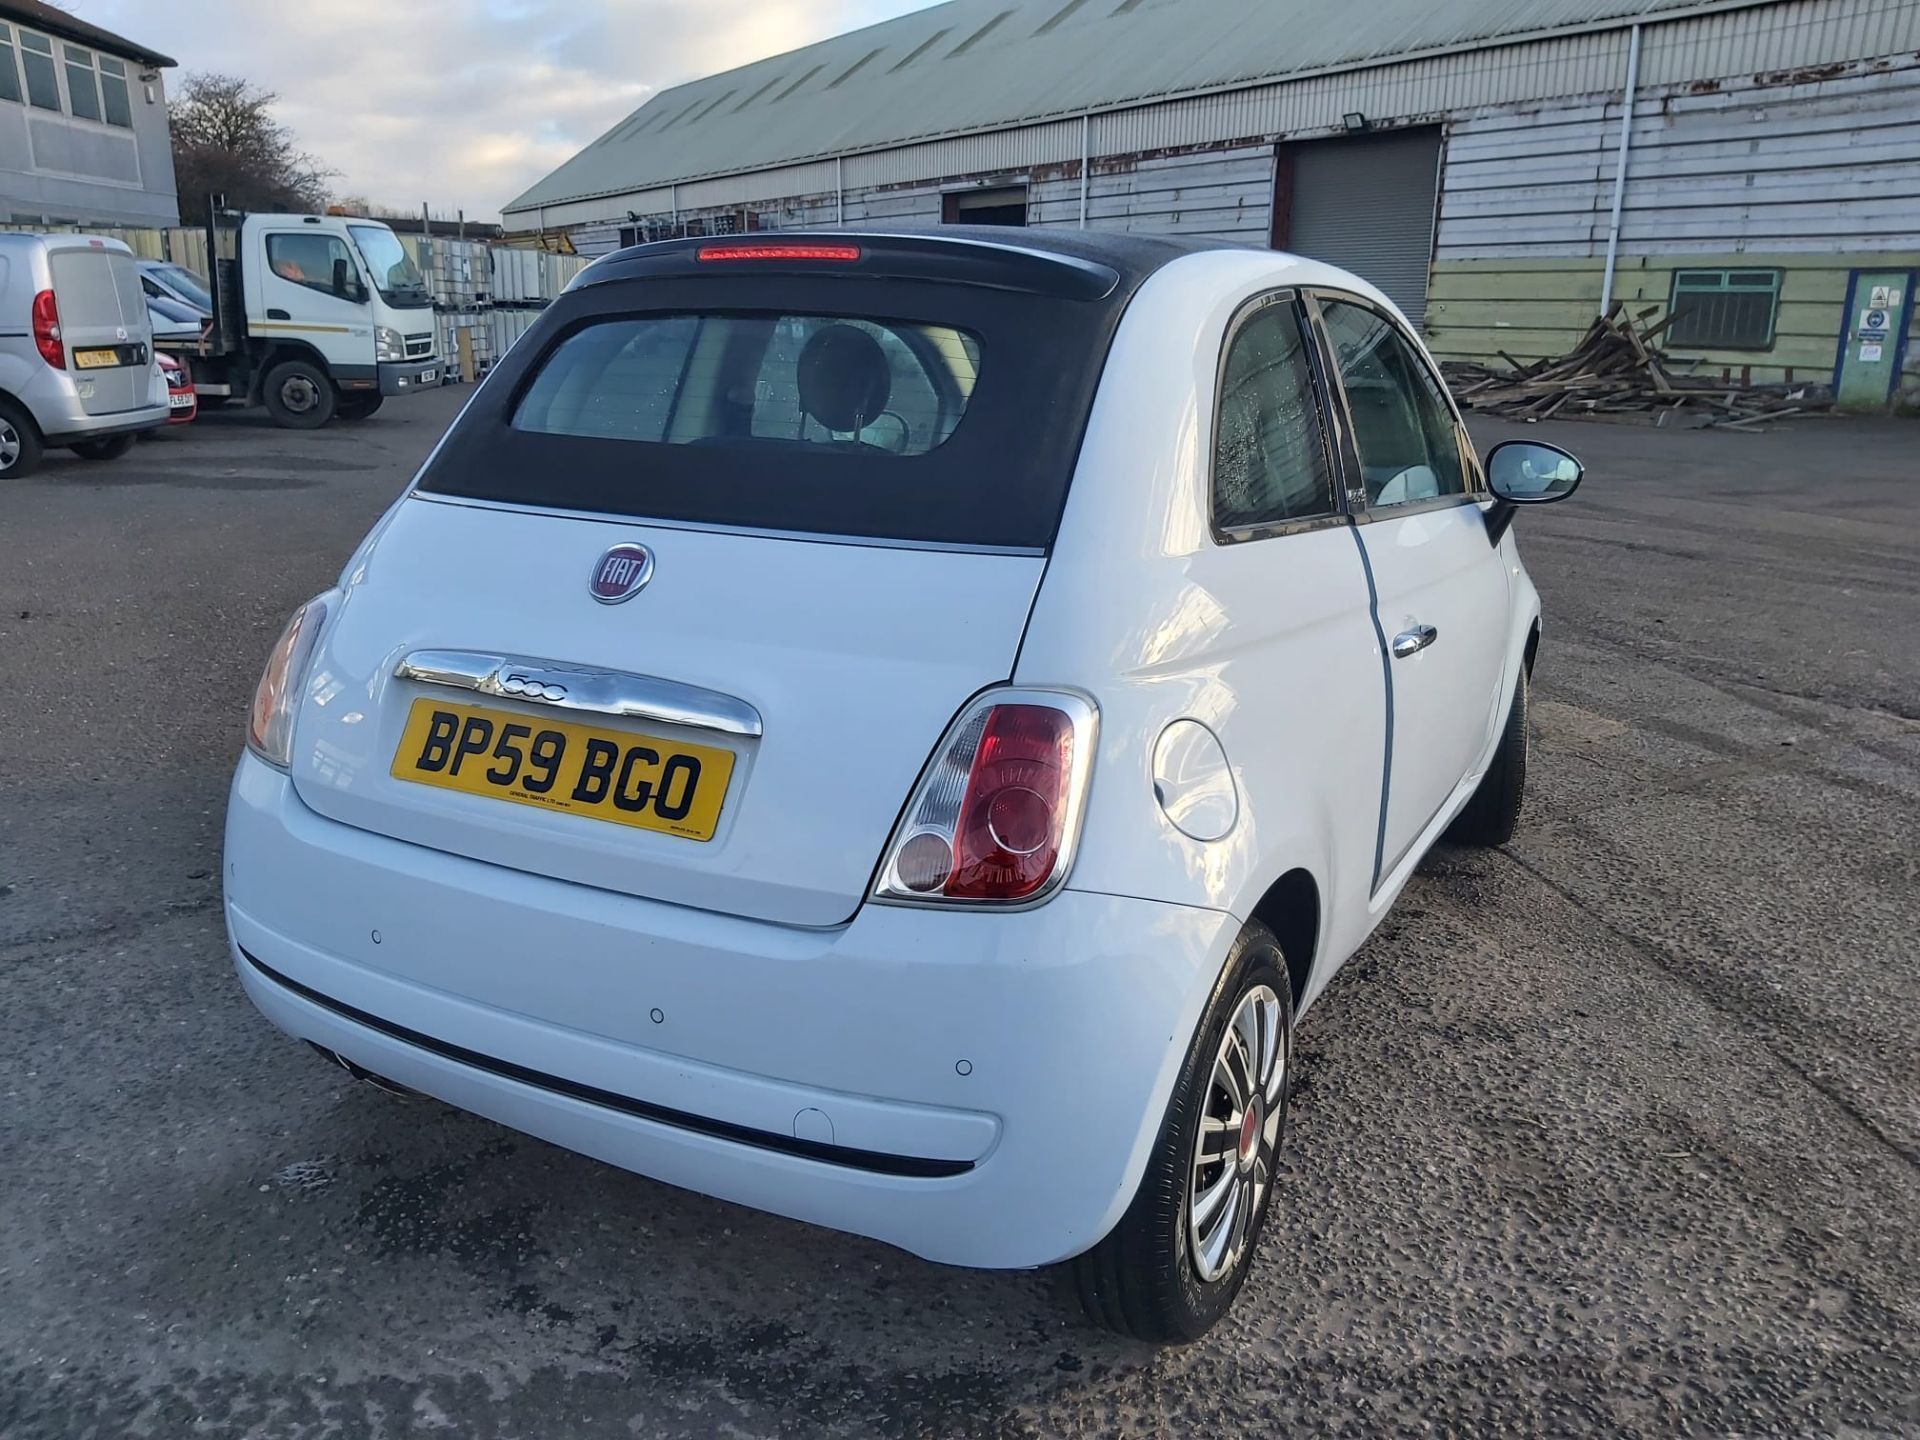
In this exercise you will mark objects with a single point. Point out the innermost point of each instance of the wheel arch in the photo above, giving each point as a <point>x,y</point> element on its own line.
<point>278,353</point>
<point>1291,909</point>
<point>24,411</point>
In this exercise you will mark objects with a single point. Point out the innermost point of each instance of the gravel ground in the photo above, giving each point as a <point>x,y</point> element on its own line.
<point>1614,1130</point>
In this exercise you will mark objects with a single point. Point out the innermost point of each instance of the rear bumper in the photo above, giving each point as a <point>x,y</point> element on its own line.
<point>99,427</point>
<point>978,1089</point>
<point>405,377</point>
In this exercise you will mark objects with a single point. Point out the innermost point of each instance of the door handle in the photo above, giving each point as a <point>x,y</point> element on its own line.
<point>1412,642</point>
<point>278,315</point>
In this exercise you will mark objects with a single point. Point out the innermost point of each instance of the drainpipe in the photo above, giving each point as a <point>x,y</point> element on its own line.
<point>1620,169</point>
<point>1086,162</point>
<point>839,191</point>
<point>673,199</point>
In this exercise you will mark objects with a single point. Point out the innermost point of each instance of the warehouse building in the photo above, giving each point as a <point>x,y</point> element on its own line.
<point>1502,168</point>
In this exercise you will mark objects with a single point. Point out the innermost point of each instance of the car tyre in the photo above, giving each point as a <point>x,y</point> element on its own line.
<point>360,405</point>
<point>299,395</point>
<point>20,447</point>
<point>111,447</point>
<point>1173,1265</point>
<point>1493,814</point>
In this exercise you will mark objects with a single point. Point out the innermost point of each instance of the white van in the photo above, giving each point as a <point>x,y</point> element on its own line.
<point>76,350</point>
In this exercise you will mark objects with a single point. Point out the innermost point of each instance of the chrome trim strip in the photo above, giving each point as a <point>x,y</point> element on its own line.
<point>1377,515</point>
<point>576,687</point>
<point>645,522</point>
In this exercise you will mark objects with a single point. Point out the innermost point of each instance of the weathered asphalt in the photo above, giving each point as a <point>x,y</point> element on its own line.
<point>1616,1130</point>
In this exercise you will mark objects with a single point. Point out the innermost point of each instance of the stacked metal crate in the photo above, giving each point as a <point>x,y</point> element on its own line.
<point>460,276</point>
<point>525,282</point>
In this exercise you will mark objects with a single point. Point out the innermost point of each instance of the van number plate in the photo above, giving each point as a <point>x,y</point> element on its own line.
<point>95,359</point>
<point>630,779</point>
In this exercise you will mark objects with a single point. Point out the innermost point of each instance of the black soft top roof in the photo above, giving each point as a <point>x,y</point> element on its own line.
<point>1074,264</point>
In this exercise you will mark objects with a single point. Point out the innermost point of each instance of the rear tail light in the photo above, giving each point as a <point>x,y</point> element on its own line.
<point>995,819</point>
<point>277,697</point>
<point>46,330</point>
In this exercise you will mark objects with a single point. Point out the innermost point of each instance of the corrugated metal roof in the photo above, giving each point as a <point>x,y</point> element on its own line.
<point>975,64</point>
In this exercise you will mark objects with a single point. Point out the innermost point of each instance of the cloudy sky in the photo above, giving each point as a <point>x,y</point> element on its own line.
<point>465,103</point>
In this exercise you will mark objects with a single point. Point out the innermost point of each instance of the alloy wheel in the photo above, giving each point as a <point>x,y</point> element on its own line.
<point>9,445</point>
<point>1233,1158</point>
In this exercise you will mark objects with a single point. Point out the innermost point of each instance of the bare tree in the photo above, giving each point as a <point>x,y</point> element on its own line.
<point>226,141</point>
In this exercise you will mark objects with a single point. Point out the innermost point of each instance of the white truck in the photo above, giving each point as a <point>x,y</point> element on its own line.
<point>314,316</point>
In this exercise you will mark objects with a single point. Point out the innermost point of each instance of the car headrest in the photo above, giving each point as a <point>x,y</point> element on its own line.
<point>844,378</point>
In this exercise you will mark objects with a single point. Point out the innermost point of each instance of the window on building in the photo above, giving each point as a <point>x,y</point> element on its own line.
<point>1402,424</point>
<point>1725,309</point>
<point>115,98</point>
<point>9,66</point>
<point>1005,205</point>
<point>1269,453</point>
<point>43,81</point>
<point>83,85</point>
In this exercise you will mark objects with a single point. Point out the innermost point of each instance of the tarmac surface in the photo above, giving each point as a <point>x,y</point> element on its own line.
<point>1614,1130</point>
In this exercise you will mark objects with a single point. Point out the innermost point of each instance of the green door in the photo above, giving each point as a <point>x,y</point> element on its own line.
<point>1873,342</point>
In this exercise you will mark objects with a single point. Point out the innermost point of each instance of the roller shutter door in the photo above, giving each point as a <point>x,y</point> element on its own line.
<point>1366,204</point>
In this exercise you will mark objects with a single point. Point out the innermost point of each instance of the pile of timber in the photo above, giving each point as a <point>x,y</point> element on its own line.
<point>1618,370</point>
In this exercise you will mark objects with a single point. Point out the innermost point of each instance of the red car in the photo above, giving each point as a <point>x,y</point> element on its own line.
<point>182,403</point>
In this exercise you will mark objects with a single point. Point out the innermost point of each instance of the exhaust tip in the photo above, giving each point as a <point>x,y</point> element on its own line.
<point>361,1073</point>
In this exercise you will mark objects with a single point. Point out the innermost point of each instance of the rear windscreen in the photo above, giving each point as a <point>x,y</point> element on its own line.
<point>760,382</point>
<point>889,408</point>
<point>97,289</point>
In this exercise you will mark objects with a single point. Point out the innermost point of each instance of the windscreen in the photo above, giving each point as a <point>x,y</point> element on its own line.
<point>393,270</point>
<point>188,285</point>
<point>896,409</point>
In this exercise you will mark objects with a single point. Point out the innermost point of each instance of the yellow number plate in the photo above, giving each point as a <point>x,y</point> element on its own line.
<point>95,359</point>
<point>615,775</point>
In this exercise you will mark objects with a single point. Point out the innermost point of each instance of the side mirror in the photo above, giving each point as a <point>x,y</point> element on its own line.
<point>1526,472</point>
<point>346,284</point>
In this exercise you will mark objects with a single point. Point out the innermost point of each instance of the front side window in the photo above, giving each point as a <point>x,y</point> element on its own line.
<point>308,259</point>
<point>83,90</point>
<point>871,387</point>
<point>1402,424</point>
<point>1269,454</point>
<point>43,82</point>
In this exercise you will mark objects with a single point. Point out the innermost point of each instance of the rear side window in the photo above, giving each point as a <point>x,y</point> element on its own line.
<point>1270,456</point>
<point>888,387</point>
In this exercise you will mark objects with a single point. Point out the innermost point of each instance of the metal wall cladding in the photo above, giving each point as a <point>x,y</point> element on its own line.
<point>1800,165</point>
<point>975,66</point>
<point>1727,42</point>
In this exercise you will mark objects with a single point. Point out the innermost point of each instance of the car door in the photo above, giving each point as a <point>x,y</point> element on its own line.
<point>1440,591</point>
<point>297,295</point>
<point>1310,720</point>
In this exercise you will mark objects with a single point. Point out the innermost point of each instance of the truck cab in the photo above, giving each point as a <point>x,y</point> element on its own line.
<point>315,316</point>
